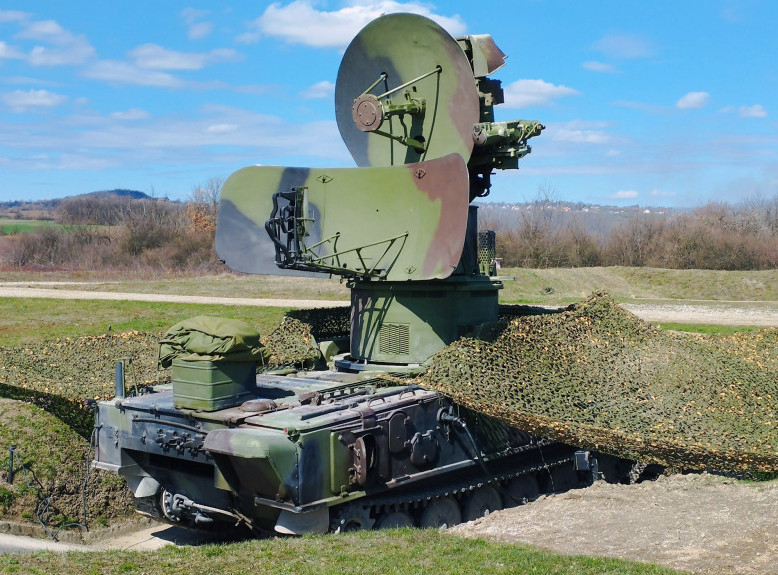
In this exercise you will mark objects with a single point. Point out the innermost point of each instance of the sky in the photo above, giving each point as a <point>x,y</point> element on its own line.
<point>662,103</point>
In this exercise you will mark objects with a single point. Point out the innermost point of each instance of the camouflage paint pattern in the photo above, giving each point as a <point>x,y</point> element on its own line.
<point>404,47</point>
<point>487,58</point>
<point>402,215</point>
<point>408,221</point>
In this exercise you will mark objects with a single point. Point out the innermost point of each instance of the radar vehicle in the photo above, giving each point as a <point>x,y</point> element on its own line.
<point>356,445</point>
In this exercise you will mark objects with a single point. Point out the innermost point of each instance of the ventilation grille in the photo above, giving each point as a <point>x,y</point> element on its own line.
<point>394,338</point>
<point>487,242</point>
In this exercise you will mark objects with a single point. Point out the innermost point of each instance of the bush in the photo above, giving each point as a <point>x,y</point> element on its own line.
<point>716,236</point>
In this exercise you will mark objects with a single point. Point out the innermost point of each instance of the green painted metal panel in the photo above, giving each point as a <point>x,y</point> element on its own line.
<point>392,223</point>
<point>212,385</point>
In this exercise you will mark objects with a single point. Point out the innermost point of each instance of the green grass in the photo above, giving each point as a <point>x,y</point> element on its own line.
<point>566,285</point>
<point>707,329</point>
<point>548,286</point>
<point>402,552</point>
<point>25,320</point>
<point>9,226</point>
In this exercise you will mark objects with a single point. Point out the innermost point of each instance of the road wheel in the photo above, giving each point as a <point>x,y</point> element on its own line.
<point>394,520</point>
<point>441,513</point>
<point>482,502</point>
<point>521,490</point>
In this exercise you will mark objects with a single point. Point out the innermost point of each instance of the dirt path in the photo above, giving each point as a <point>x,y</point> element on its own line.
<point>740,313</point>
<point>31,290</point>
<point>698,523</point>
<point>754,314</point>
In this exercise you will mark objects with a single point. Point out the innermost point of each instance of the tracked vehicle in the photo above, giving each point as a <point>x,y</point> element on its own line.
<point>355,446</point>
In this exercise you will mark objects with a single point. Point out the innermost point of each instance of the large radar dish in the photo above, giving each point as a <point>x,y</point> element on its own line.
<point>405,93</point>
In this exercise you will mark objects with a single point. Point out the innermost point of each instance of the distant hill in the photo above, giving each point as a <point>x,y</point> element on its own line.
<point>131,194</point>
<point>45,209</point>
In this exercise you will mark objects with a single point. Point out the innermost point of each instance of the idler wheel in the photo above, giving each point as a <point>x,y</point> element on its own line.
<point>481,503</point>
<point>441,513</point>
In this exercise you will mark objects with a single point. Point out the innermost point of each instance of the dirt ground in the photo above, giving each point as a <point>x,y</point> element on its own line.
<point>697,523</point>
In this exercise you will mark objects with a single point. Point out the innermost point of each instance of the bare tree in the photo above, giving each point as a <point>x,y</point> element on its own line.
<point>203,207</point>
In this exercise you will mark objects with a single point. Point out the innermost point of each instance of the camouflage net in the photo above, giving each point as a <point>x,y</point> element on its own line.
<point>593,375</point>
<point>59,375</point>
<point>291,344</point>
<point>598,377</point>
<point>325,322</point>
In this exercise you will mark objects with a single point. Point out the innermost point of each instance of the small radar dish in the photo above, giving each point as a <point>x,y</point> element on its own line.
<point>405,93</point>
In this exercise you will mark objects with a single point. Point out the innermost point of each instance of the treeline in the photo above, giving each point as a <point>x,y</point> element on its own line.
<point>148,235</point>
<point>121,232</point>
<point>716,236</point>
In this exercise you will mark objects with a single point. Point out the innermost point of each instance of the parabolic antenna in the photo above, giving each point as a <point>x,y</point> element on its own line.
<point>294,221</point>
<point>405,93</point>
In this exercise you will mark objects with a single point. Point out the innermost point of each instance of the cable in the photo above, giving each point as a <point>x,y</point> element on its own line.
<point>451,418</point>
<point>43,509</point>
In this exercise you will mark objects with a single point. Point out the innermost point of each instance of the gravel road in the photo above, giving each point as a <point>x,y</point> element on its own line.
<point>47,290</point>
<point>725,313</point>
<point>764,314</point>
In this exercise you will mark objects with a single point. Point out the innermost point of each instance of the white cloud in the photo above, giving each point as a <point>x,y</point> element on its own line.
<point>154,57</point>
<point>526,93</point>
<point>64,48</point>
<point>192,15</point>
<point>601,67</point>
<point>200,30</point>
<point>26,81</point>
<point>9,52</point>
<point>202,136</point>
<point>756,111</point>
<point>45,31</point>
<point>24,100</point>
<point>627,46</point>
<point>117,72</point>
<point>578,132</point>
<point>624,195</point>
<point>300,23</point>
<point>13,16</point>
<point>131,114</point>
<point>693,100</point>
<point>662,194</point>
<point>196,28</point>
<point>221,128</point>
<point>323,89</point>
<point>613,153</point>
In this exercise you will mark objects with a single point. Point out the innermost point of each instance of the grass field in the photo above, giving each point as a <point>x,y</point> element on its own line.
<point>30,320</point>
<point>402,552</point>
<point>544,286</point>
<point>9,226</point>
